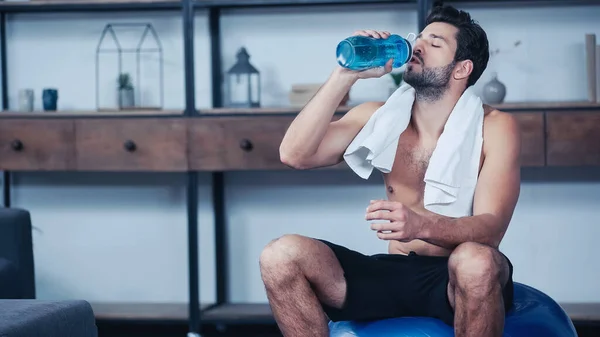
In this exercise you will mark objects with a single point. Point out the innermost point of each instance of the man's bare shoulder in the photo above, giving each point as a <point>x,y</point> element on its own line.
<point>501,131</point>
<point>361,113</point>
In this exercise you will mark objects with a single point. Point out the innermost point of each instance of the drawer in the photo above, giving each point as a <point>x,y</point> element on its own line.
<point>532,138</point>
<point>237,143</point>
<point>573,138</point>
<point>157,144</point>
<point>37,145</point>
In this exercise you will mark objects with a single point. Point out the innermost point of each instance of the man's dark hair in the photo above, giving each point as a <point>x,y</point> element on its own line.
<point>472,42</point>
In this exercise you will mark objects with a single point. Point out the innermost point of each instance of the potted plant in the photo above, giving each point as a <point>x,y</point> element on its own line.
<point>126,94</point>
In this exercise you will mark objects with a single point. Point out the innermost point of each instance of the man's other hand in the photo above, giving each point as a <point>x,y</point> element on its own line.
<point>403,223</point>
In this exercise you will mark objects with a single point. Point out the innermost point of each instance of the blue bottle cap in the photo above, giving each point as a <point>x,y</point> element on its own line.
<point>410,39</point>
<point>345,53</point>
<point>409,53</point>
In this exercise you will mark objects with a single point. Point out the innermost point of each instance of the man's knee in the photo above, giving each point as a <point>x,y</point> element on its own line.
<point>282,253</point>
<point>477,268</point>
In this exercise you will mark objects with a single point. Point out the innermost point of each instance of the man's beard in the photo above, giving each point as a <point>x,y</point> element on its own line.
<point>431,83</point>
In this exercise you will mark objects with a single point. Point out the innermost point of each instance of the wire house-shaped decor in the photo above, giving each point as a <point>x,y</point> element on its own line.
<point>122,92</point>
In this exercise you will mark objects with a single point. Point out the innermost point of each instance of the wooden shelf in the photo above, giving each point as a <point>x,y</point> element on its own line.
<point>112,5</point>
<point>91,113</point>
<point>261,313</point>
<point>253,313</point>
<point>261,111</point>
<point>81,2</point>
<point>143,311</point>
<point>239,313</point>
<point>545,106</point>
<point>284,110</point>
<point>228,313</point>
<point>237,139</point>
<point>524,106</point>
<point>522,3</point>
<point>265,3</point>
<point>82,5</point>
<point>583,312</point>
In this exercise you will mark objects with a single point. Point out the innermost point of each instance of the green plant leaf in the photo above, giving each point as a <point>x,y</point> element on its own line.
<point>397,77</point>
<point>124,81</point>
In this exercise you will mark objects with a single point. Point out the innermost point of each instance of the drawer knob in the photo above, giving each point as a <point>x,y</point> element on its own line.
<point>246,145</point>
<point>129,146</point>
<point>16,145</point>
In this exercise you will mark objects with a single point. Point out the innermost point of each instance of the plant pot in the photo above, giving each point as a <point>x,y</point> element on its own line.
<point>126,98</point>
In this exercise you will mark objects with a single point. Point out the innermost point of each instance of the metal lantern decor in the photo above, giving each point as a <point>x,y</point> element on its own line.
<point>243,83</point>
<point>129,80</point>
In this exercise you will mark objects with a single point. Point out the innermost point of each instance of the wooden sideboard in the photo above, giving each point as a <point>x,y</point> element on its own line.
<point>223,142</point>
<point>573,138</point>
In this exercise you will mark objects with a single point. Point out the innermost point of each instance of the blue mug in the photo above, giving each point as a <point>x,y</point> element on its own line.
<point>50,99</point>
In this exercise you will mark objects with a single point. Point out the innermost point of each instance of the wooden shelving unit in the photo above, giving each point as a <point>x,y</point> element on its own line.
<point>221,139</point>
<point>91,114</point>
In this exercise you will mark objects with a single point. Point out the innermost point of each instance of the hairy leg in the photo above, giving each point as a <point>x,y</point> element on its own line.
<point>477,275</point>
<point>299,274</point>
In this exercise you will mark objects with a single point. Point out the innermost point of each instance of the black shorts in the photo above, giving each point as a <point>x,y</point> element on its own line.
<point>391,285</point>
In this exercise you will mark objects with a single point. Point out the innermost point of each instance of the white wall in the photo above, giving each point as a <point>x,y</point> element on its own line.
<point>131,228</point>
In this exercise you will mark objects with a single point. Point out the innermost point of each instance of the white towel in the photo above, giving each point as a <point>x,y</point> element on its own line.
<point>453,169</point>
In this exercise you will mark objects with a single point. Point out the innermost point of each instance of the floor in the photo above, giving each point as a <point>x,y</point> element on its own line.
<point>591,330</point>
<point>170,329</point>
<point>114,329</point>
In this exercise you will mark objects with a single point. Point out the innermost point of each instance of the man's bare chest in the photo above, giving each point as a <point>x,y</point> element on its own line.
<point>405,182</point>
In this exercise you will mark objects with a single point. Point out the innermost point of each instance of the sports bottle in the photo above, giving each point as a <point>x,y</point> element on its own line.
<point>365,52</point>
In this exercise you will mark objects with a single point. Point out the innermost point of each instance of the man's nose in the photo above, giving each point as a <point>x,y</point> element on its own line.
<point>418,47</point>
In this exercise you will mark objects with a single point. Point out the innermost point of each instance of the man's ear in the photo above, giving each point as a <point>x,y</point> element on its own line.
<point>463,69</point>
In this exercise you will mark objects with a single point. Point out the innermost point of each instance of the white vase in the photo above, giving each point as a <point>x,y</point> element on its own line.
<point>26,100</point>
<point>494,91</point>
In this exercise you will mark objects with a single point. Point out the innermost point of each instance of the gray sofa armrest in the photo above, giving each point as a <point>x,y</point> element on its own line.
<point>16,247</point>
<point>32,318</point>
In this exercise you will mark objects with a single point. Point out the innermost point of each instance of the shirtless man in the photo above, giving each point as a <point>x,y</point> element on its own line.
<point>436,266</point>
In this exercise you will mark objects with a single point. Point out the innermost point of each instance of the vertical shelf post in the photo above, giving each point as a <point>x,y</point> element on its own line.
<point>218,179</point>
<point>192,176</point>
<point>6,188</point>
<point>6,180</point>
<point>214,24</point>
<point>188,54</point>
<point>423,9</point>
<point>194,278</point>
<point>218,192</point>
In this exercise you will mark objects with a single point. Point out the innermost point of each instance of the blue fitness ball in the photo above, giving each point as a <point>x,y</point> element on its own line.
<point>534,314</point>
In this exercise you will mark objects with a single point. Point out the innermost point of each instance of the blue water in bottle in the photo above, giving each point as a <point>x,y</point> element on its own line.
<point>363,52</point>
